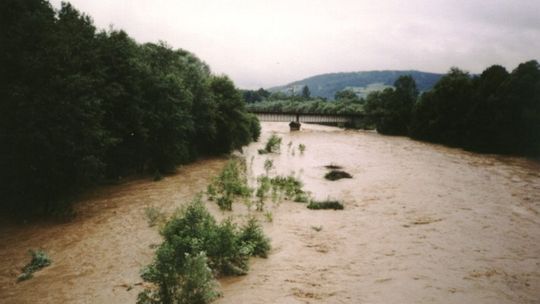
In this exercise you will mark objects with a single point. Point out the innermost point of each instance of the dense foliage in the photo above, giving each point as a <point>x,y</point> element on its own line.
<point>230,184</point>
<point>78,106</point>
<point>390,110</point>
<point>495,112</point>
<point>194,251</point>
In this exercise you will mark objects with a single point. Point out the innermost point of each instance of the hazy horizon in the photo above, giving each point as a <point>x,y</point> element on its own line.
<point>264,44</point>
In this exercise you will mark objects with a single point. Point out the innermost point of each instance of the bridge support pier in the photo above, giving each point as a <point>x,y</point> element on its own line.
<point>294,125</point>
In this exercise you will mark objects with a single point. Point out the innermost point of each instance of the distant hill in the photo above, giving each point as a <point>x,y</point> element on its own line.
<point>326,85</point>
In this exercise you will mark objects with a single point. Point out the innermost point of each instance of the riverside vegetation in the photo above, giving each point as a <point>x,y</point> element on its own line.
<point>195,251</point>
<point>39,260</point>
<point>81,106</point>
<point>496,111</point>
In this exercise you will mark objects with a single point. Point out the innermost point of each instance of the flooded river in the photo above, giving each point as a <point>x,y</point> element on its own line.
<point>422,224</point>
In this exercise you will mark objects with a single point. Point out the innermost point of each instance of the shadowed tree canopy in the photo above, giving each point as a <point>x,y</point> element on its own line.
<point>79,106</point>
<point>391,108</point>
<point>306,94</point>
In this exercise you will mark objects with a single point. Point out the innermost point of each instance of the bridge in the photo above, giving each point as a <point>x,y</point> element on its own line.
<point>297,117</point>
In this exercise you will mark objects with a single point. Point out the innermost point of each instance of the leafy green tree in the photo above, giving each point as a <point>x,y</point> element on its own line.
<point>521,94</point>
<point>346,94</point>
<point>78,106</point>
<point>233,125</point>
<point>439,115</point>
<point>306,94</point>
<point>390,110</point>
<point>489,112</point>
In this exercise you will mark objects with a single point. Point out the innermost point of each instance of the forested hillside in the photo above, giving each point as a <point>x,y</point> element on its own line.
<point>362,83</point>
<point>79,106</point>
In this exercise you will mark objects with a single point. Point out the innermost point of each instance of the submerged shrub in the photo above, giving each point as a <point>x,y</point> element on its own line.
<point>230,183</point>
<point>290,185</point>
<point>273,145</point>
<point>194,251</point>
<point>39,260</point>
<point>301,198</point>
<point>268,165</point>
<point>337,174</point>
<point>196,286</point>
<point>153,215</point>
<point>253,235</point>
<point>325,205</point>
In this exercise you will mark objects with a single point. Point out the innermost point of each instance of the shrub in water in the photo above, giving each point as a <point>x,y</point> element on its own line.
<point>325,205</point>
<point>40,259</point>
<point>268,165</point>
<point>253,235</point>
<point>337,174</point>
<point>290,185</point>
<point>196,284</point>
<point>301,198</point>
<point>195,249</point>
<point>272,145</point>
<point>230,183</point>
<point>153,215</point>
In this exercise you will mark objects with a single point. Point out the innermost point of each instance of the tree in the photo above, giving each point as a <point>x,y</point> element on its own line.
<point>391,109</point>
<point>78,106</point>
<point>306,94</point>
<point>346,94</point>
<point>439,115</point>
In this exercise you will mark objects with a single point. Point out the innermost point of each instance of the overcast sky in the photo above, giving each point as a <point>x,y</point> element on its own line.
<point>266,43</point>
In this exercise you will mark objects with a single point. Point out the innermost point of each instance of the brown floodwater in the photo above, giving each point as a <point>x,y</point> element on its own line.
<point>422,223</point>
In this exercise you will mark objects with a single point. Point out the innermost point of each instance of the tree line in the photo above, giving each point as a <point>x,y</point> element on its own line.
<point>496,112</point>
<point>262,95</point>
<point>80,106</point>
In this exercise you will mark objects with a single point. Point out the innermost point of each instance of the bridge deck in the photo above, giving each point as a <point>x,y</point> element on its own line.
<point>306,117</point>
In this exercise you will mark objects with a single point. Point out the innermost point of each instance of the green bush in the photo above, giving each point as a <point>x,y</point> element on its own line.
<point>301,198</point>
<point>196,286</point>
<point>39,260</point>
<point>253,235</point>
<point>194,251</point>
<point>79,106</point>
<point>290,185</point>
<point>254,126</point>
<point>273,145</point>
<point>325,205</point>
<point>230,183</point>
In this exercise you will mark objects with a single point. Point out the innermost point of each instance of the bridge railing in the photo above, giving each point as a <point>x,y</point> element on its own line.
<point>305,117</point>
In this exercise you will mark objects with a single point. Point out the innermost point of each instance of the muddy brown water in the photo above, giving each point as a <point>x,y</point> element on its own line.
<point>422,224</point>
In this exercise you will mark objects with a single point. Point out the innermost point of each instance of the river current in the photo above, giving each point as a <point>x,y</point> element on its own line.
<point>422,223</point>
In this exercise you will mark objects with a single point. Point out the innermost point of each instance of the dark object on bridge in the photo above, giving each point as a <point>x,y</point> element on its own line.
<point>337,174</point>
<point>294,125</point>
